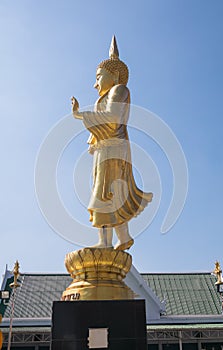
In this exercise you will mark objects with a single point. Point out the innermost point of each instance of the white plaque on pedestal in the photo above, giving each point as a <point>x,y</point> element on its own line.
<point>98,338</point>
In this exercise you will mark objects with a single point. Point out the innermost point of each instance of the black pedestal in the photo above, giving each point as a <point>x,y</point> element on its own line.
<point>124,319</point>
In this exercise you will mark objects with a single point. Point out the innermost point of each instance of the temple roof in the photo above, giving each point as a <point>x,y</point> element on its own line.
<point>36,293</point>
<point>184,293</point>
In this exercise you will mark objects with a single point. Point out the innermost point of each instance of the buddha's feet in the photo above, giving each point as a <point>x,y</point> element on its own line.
<point>101,245</point>
<point>124,246</point>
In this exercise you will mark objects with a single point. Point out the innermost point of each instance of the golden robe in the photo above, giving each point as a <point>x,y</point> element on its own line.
<point>115,197</point>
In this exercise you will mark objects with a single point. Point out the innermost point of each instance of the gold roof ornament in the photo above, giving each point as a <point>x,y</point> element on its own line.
<point>16,274</point>
<point>218,272</point>
<point>217,268</point>
<point>114,64</point>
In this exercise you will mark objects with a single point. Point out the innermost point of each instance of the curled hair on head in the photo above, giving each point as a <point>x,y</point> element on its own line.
<point>116,65</point>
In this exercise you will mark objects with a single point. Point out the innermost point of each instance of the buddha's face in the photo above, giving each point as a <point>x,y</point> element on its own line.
<point>104,81</point>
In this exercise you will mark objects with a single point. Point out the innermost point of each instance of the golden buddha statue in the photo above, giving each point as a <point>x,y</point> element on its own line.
<point>115,196</point>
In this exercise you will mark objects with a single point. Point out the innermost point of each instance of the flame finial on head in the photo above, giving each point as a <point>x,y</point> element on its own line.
<point>113,51</point>
<point>114,64</point>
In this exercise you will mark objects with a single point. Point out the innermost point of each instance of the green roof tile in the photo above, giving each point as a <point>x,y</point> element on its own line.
<point>186,293</point>
<point>36,294</point>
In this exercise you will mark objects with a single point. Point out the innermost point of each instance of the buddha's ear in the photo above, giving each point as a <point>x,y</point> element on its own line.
<point>116,77</point>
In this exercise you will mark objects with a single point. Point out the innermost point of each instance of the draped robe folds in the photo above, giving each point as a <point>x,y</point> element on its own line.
<point>115,197</point>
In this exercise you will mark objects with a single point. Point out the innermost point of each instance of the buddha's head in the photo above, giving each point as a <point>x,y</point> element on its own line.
<point>111,71</point>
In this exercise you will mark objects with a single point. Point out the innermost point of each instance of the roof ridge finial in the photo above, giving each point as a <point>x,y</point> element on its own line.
<point>113,51</point>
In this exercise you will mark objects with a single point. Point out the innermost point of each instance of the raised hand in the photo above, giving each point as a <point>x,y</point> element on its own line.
<point>74,104</point>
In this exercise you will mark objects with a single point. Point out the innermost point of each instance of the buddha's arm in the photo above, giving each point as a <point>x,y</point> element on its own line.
<point>78,115</point>
<point>118,97</point>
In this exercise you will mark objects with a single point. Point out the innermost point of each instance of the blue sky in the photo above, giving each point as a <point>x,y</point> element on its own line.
<point>49,51</point>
